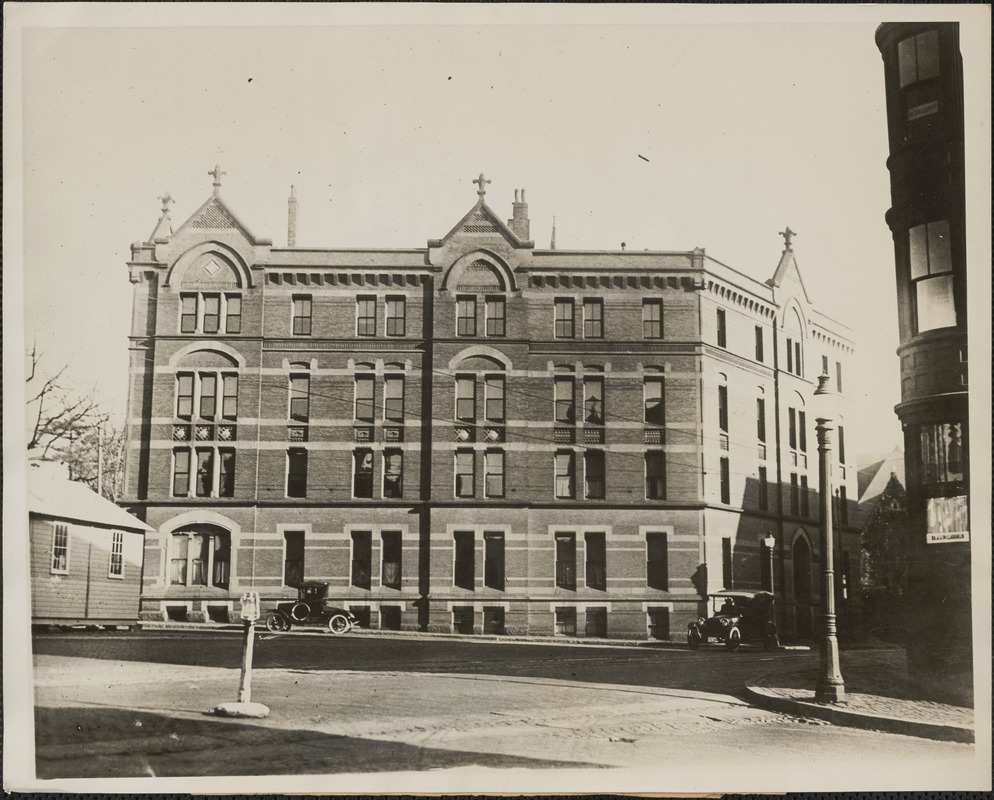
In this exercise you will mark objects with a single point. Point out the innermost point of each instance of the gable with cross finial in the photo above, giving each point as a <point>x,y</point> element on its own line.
<point>482,183</point>
<point>787,236</point>
<point>217,172</point>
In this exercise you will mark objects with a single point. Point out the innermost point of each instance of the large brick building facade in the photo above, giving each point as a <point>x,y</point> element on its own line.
<point>477,435</point>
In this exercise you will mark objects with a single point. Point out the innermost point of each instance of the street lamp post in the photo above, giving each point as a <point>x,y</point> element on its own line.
<point>769,542</point>
<point>831,688</point>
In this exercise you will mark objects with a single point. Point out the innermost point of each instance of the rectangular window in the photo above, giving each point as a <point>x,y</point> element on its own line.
<point>188,313</point>
<point>722,332</point>
<point>726,489</point>
<point>593,319</point>
<point>652,319</point>
<point>496,312</point>
<point>655,475</point>
<point>565,621</point>
<point>208,396</point>
<point>300,393</point>
<point>494,401</point>
<point>465,560</point>
<point>726,563</point>
<point>465,473</point>
<point>838,376</point>
<point>918,57</point>
<point>116,566</point>
<point>396,316</point>
<point>466,398</point>
<point>565,404</point>
<point>233,313</point>
<point>393,474</point>
<point>790,354</point>
<point>296,473</point>
<point>391,557</point>
<point>843,506</point>
<point>795,497</point>
<point>596,622</point>
<point>797,359</point>
<point>302,316</point>
<point>596,572</point>
<point>723,408</point>
<point>564,319</point>
<point>293,558</point>
<point>60,548</point>
<point>593,401</point>
<point>656,556</point>
<point>842,445</point>
<point>824,365</point>
<point>362,559</point>
<point>184,396</point>
<point>931,275</point>
<point>565,475</point>
<point>792,428</point>
<point>761,419</point>
<point>205,472</point>
<point>466,316</point>
<point>229,396</point>
<point>759,343</point>
<point>365,316</point>
<point>365,407</point>
<point>805,499</point>
<point>226,473</point>
<point>764,490</point>
<point>212,313</point>
<point>493,560</point>
<point>362,473</point>
<point>493,465</point>
<point>393,398</point>
<point>566,561</point>
<point>593,474</point>
<point>802,431</point>
<point>181,472</point>
<point>653,394</point>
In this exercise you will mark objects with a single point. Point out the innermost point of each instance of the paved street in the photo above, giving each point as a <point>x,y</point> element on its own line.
<point>133,705</point>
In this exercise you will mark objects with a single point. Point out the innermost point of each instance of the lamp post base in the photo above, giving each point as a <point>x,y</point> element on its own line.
<point>830,692</point>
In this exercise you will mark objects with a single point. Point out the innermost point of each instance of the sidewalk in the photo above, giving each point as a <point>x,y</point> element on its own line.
<point>880,695</point>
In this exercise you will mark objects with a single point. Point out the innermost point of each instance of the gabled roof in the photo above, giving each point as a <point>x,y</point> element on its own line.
<point>788,265</point>
<point>874,477</point>
<point>70,500</point>
<point>481,219</point>
<point>215,215</point>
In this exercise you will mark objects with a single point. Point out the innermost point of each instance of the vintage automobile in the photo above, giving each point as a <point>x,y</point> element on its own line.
<point>311,608</point>
<point>736,617</point>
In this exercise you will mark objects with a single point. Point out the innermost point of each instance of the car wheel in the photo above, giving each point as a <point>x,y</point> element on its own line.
<point>275,622</point>
<point>693,638</point>
<point>300,612</point>
<point>734,639</point>
<point>338,625</point>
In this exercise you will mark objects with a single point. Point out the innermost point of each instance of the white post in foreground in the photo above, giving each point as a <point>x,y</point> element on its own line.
<point>245,707</point>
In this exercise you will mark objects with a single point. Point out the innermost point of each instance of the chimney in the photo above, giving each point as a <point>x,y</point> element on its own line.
<point>291,224</point>
<point>519,217</point>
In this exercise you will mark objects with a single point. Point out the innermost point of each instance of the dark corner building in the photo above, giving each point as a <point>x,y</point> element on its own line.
<point>924,83</point>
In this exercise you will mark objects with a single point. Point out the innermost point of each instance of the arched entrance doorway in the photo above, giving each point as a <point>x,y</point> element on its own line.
<point>801,564</point>
<point>200,555</point>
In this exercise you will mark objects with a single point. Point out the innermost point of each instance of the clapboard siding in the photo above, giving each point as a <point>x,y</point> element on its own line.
<point>86,592</point>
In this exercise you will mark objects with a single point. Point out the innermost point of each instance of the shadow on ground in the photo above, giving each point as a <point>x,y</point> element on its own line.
<point>116,743</point>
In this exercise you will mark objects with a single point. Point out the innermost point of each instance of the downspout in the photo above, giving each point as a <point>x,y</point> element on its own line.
<point>781,544</point>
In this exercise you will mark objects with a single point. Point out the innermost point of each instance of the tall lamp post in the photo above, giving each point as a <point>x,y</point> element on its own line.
<point>769,542</point>
<point>831,688</point>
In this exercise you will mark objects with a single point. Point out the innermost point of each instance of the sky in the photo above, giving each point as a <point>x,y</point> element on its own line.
<point>646,125</point>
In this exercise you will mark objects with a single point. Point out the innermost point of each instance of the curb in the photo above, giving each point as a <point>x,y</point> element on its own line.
<point>856,719</point>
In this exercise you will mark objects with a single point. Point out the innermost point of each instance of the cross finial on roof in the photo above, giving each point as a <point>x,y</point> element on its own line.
<point>217,173</point>
<point>483,185</point>
<point>166,200</point>
<point>787,235</point>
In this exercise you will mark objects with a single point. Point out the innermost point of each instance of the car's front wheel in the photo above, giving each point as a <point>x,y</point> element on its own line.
<point>275,622</point>
<point>338,625</point>
<point>693,638</point>
<point>734,639</point>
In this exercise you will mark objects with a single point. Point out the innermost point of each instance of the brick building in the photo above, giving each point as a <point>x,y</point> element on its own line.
<point>477,435</point>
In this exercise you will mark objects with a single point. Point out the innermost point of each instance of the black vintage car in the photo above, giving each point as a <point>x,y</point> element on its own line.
<point>736,617</point>
<point>311,608</point>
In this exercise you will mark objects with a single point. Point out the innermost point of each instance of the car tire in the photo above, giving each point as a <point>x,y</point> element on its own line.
<point>734,639</point>
<point>339,624</point>
<point>300,612</point>
<point>275,622</point>
<point>693,638</point>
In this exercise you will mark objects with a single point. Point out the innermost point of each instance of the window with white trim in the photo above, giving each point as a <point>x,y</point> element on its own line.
<point>60,548</point>
<point>116,567</point>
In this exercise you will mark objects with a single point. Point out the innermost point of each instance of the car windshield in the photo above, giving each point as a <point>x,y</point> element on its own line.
<point>725,605</point>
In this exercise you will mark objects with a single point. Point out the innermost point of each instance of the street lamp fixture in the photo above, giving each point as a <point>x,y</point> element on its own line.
<point>831,688</point>
<point>769,542</point>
